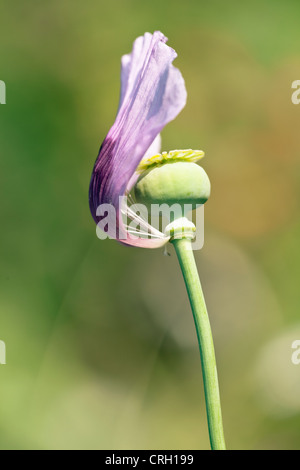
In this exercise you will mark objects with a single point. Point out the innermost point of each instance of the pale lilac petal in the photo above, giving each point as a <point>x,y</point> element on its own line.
<point>152,94</point>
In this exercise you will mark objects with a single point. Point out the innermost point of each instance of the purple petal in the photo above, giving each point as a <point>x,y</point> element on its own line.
<point>152,94</point>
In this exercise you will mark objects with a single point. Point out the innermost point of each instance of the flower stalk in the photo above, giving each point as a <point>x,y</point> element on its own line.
<point>183,248</point>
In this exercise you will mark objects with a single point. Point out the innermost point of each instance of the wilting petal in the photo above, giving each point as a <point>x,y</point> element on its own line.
<point>152,94</point>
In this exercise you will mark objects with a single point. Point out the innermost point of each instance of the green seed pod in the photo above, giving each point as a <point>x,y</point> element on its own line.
<point>173,182</point>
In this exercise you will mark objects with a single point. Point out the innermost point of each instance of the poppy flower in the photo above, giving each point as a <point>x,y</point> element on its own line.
<point>152,94</point>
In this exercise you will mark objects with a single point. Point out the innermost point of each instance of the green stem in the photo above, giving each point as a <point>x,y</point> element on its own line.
<point>188,266</point>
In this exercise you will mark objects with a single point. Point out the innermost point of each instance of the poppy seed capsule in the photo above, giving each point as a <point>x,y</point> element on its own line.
<point>175,182</point>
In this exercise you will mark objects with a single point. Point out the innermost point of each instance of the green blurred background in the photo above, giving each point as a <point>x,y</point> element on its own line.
<point>101,347</point>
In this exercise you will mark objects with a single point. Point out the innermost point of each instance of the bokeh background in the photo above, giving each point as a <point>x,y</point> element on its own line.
<point>101,347</point>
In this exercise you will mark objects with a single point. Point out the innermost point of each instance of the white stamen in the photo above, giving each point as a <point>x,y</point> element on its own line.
<point>142,228</point>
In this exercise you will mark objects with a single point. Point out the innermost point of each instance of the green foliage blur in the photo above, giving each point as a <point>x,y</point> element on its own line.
<point>100,342</point>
